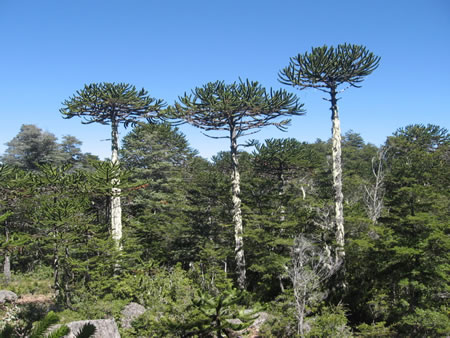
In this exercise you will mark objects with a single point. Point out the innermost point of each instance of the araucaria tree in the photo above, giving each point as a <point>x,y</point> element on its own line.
<point>238,109</point>
<point>327,68</point>
<point>111,103</point>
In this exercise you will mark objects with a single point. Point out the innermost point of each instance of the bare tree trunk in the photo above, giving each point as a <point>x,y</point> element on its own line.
<point>375,193</point>
<point>280,278</point>
<point>236,212</point>
<point>309,269</point>
<point>116,210</point>
<point>7,269</point>
<point>56,284</point>
<point>7,263</point>
<point>303,192</point>
<point>337,176</point>
<point>281,194</point>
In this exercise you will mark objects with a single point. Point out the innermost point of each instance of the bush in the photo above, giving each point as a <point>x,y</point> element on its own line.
<point>425,323</point>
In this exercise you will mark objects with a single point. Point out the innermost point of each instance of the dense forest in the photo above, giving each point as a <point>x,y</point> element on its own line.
<point>209,247</point>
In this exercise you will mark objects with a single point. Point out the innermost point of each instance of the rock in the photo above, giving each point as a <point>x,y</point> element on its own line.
<point>7,296</point>
<point>260,320</point>
<point>253,330</point>
<point>105,328</point>
<point>234,321</point>
<point>130,313</point>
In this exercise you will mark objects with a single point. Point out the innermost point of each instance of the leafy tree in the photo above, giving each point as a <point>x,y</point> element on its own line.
<point>398,271</point>
<point>159,156</point>
<point>278,187</point>
<point>418,198</point>
<point>71,239</point>
<point>111,103</point>
<point>32,147</point>
<point>209,203</point>
<point>15,195</point>
<point>286,159</point>
<point>167,294</point>
<point>358,165</point>
<point>326,68</point>
<point>331,322</point>
<point>7,263</point>
<point>70,146</point>
<point>417,159</point>
<point>238,109</point>
<point>58,214</point>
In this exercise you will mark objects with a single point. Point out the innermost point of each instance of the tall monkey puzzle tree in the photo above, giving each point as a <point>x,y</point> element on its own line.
<point>111,103</point>
<point>239,109</point>
<point>326,68</point>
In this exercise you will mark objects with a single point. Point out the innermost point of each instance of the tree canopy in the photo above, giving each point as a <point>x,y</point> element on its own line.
<point>327,67</point>
<point>107,103</point>
<point>241,106</point>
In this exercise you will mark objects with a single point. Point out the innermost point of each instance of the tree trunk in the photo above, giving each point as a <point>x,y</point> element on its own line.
<point>281,194</point>
<point>337,176</point>
<point>116,210</point>
<point>236,212</point>
<point>375,193</point>
<point>7,263</point>
<point>56,284</point>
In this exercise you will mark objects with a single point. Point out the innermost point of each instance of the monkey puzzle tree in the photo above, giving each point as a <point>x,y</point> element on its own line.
<point>326,68</point>
<point>111,103</point>
<point>16,190</point>
<point>239,109</point>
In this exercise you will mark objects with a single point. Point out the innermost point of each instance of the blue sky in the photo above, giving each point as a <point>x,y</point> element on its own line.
<point>50,49</point>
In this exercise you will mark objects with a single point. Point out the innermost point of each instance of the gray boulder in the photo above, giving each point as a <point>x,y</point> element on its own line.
<point>253,330</point>
<point>105,328</point>
<point>7,296</point>
<point>130,313</point>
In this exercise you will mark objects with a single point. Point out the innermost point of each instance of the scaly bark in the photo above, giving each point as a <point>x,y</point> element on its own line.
<point>116,210</point>
<point>337,176</point>
<point>236,212</point>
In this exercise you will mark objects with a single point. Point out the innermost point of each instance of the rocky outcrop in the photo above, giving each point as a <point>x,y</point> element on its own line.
<point>130,313</point>
<point>7,296</point>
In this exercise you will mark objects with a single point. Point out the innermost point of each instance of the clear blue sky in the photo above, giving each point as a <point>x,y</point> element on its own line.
<point>51,48</point>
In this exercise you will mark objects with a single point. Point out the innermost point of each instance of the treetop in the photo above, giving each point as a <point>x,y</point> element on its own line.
<point>112,102</point>
<point>328,67</point>
<point>245,105</point>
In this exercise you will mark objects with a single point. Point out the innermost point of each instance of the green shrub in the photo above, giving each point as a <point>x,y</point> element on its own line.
<point>331,322</point>
<point>374,330</point>
<point>425,323</point>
